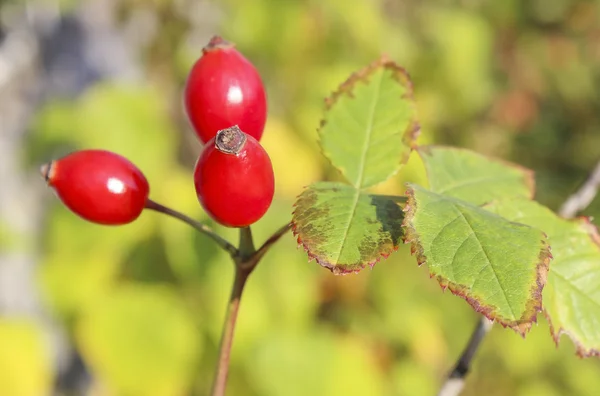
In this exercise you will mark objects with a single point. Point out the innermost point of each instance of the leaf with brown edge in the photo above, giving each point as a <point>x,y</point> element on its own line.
<point>344,229</point>
<point>370,124</point>
<point>572,295</point>
<point>499,267</point>
<point>472,177</point>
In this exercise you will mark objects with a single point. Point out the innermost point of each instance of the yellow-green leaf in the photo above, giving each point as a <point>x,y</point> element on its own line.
<point>370,125</point>
<point>472,177</point>
<point>498,266</point>
<point>345,229</point>
<point>572,295</point>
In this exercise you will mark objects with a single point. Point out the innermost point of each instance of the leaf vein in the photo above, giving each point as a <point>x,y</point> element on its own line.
<point>464,183</point>
<point>578,311</point>
<point>349,222</point>
<point>488,260</point>
<point>367,141</point>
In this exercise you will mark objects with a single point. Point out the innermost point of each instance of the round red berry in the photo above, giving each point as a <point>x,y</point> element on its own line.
<point>224,89</point>
<point>99,186</point>
<point>234,178</point>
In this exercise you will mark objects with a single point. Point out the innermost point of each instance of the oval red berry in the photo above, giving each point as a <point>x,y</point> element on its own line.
<point>234,179</point>
<point>224,89</point>
<point>99,186</point>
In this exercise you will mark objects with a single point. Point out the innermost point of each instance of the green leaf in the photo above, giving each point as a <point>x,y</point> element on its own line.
<point>472,177</point>
<point>370,125</point>
<point>498,266</point>
<point>344,229</point>
<point>140,340</point>
<point>571,297</point>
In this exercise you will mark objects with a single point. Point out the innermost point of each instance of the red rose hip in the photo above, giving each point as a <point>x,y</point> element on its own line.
<point>224,89</point>
<point>99,186</point>
<point>234,178</point>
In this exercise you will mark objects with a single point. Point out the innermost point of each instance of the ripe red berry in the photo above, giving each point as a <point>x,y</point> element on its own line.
<point>99,186</point>
<point>234,178</point>
<point>224,89</point>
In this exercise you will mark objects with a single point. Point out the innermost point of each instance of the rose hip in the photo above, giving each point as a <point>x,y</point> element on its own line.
<point>224,89</point>
<point>234,178</point>
<point>99,186</point>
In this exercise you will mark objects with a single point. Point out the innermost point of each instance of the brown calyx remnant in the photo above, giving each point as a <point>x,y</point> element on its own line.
<point>230,140</point>
<point>47,171</point>
<point>217,42</point>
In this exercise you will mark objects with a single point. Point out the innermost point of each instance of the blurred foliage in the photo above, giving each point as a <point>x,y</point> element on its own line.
<point>24,359</point>
<point>140,332</point>
<point>144,303</point>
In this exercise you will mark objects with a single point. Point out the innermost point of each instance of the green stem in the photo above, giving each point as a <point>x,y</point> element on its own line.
<point>246,248</point>
<point>220,381</point>
<point>245,260</point>
<point>203,228</point>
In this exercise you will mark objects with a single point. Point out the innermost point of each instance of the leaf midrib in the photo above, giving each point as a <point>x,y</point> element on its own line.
<point>359,182</point>
<point>488,260</point>
<point>349,222</point>
<point>367,140</point>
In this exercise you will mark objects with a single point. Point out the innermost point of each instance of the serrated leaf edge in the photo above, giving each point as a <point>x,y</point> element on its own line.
<point>335,269</point>
<point>413,129</point>
<point>528,174</point>
<point>529,316</point>
<point>556,333</point>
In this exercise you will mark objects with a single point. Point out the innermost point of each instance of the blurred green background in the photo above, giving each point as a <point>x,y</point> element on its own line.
<point>138,309</point>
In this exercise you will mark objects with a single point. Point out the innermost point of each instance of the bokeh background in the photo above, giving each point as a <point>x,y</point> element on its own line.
<point>138,309</point>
